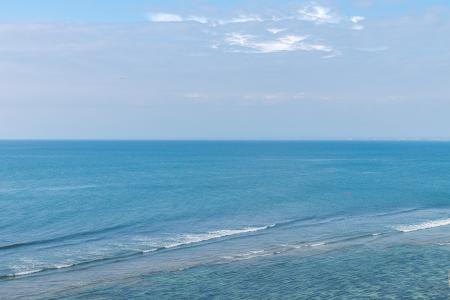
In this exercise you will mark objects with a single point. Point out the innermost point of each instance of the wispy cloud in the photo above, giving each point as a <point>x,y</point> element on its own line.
<point>242,19</point>
<point>169,17</point>
<point>287,43</point>
<point>250,39</point>
<point>276,30</point>
<point>164,17</point>
<point>198,19</point>
<point>173,18</point>
<point>356,20</point>
<point>318,15</point>
<point>311,13</point>
<point>333,54</point>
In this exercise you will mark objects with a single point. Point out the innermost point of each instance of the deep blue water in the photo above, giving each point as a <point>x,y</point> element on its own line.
<point>224,220</point>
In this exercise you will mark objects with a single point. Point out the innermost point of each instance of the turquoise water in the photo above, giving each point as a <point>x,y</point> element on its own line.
<point>224,220</point>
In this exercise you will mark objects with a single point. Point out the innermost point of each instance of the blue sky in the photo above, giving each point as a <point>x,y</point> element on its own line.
<point>360,69</point>
<point>135,10</point>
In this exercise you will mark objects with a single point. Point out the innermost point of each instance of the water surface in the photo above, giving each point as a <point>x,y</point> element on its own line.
<point>225,220</point>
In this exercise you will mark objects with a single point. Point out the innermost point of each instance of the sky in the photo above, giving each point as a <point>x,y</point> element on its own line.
<point>275,70</point>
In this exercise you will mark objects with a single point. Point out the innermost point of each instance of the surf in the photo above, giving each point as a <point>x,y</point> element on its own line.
<point>423,226</point>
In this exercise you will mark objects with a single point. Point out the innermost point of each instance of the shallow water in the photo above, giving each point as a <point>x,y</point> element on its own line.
<point>225,220</point>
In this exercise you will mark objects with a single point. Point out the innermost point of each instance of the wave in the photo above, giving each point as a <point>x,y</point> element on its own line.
<point>423,226</point>
<point>284,248</point>
<point>193,238</point>
<point>22,273</point>
<point>181,241</point>
<point>304,245</point>
<point>49,188</point>
<point>443,244</point>
<point>63,238</point>
<point>187,240</point>
<point>33,271</point>
<point>303,222</point>
<point>68,187</point>
<point>155,245</point>
<point>395,212</point>
<point>248,255</point>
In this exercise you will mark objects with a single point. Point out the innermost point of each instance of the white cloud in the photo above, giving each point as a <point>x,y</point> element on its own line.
<point>238,39</point>
<point>333,54</point>
<point>245,19</point>
<point>357,27</point>
<point>164,17</point>
<point>318,15</point>
<point>170,18</point>
<point>313,13</point>
<point>283,44</point>
<point>276,42</point>
<point>238,19</point>
<point>276,30</point>
<point>356,19</point>
<point>198,19</point>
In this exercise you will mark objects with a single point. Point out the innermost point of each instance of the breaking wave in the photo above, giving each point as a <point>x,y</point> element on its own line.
<point>422,226</point>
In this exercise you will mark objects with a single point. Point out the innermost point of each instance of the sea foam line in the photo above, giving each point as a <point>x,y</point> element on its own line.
<point>32,271</point>
<point>422,226</point>
<point>187,239</point>
<point>248,255</point>
<point>183,240</point>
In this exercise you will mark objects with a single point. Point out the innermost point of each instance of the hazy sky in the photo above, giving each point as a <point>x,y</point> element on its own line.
<point>144,69</point>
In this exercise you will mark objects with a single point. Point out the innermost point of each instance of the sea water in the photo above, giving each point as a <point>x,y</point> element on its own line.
<point>224,220</point>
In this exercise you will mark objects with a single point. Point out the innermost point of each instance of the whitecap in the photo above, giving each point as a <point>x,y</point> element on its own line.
<point>27,272</point>
<point>422,226</point>
<point>187,239</point>
<point>149,250</point>
<point>316,244</point>
<point>62,266</point>
<point>193,238</point>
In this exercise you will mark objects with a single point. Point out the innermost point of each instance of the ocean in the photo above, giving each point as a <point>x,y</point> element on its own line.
<point>224,220</point>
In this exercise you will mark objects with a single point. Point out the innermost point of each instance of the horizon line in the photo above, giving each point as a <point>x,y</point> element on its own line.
<point>226,140</point>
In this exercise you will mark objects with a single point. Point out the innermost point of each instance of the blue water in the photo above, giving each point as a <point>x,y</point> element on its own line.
<point>224,220</point>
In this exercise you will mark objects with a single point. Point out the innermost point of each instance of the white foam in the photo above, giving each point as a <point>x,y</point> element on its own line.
<point>248,255</point>
<point>316,244</point>
<point>422,226</point>
<point>443,244</point>
<point>36,268</point>
<point>187,239</point>
<point>303,246</point>
<point>28,272</point>
<point>149,250</point>
<point>62,266</point>
<point>191,238</point>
